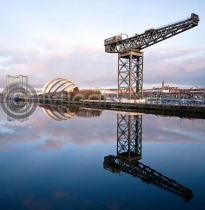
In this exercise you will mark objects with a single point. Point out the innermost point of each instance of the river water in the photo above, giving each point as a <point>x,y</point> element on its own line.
<point>58,161</point>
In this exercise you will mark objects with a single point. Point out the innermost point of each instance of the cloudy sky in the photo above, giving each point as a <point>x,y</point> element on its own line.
<point>47,39</point>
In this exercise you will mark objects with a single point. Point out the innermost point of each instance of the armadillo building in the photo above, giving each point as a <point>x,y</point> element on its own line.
<point>58,86</point>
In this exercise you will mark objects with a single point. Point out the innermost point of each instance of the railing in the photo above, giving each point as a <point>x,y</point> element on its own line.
<point>176,22</point>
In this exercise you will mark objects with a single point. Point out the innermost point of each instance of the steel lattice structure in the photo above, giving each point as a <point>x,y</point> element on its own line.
<point>129,152</point>
<point>146,174</point>
<point>129,49</point>
<point>129,136</point>
<point>130,74</point>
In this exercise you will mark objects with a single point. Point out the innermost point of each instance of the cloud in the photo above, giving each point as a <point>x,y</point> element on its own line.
<point>172,129</point>
<point>48,134</point>
<point>14,133</point>
<point>50,144</point>
<point>182,66</point>
<point>84,65</point>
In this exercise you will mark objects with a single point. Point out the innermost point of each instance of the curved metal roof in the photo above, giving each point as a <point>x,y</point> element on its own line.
<point>58,85</point>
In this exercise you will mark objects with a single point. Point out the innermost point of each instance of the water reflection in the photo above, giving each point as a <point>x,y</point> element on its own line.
<point>54,133</point>
<point>18,111</point>
<point>60,113</point>
<point>129,152</point>
<point>57,113</point>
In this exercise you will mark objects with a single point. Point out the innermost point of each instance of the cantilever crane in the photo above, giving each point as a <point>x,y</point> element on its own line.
<point>146,174</point>
<point>130,57</point>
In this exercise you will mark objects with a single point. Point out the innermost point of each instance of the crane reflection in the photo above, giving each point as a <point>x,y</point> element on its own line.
<point>129,152</point>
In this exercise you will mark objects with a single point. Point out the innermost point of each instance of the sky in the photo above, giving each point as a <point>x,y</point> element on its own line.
<point>48,39</point>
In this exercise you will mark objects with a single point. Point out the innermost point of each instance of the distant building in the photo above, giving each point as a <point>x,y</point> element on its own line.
<point>174,92</point>
<point>163,85</point>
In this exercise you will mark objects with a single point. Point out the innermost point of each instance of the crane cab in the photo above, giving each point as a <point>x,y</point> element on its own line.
<point>195,19</point>
<point>112,40</point>
<point>109,41</point>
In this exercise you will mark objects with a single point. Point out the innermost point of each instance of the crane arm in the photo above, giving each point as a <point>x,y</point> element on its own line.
<point>147,174</point>
<point>150,37</point>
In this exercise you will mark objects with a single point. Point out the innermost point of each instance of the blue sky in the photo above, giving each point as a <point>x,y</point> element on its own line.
<point>48,39</point>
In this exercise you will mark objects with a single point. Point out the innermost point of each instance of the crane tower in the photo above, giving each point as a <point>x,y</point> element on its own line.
<point>130,56</point>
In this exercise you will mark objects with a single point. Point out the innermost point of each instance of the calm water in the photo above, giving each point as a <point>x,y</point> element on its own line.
<point>49,164</point>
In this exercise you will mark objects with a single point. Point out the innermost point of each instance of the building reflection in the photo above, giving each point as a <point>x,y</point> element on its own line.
<point>17,110</point>
<point>61,113</point>
<point>129,152</point>
<point>57,113</point>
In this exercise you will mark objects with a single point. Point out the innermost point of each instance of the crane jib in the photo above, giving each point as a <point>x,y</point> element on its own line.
<point>151,36</point>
